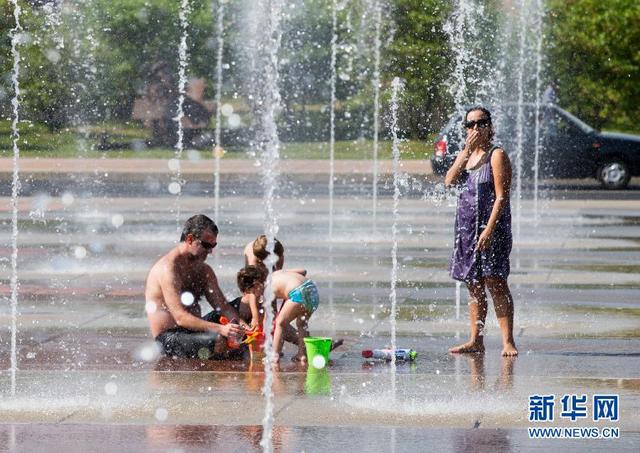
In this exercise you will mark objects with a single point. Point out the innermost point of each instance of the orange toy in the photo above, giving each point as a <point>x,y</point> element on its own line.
<point>254,338</point>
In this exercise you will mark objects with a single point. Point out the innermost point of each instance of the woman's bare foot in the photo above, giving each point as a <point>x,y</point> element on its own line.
<point>509,350</point>
<point>337,343</point>
<point>468,347</point>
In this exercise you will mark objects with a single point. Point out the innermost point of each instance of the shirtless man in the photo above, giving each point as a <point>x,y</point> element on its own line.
<point>173,290</point>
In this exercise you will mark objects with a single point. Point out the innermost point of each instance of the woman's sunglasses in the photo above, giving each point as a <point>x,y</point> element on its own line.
<point>480,123</point>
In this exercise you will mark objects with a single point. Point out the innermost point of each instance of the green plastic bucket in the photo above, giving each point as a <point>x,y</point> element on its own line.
<point>318,346</point>
<point>318,382</point>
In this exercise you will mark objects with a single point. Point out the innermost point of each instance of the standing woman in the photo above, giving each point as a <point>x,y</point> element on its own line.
<point>483,240</point>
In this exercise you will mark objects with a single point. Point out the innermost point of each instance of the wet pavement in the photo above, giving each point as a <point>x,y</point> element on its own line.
<point>82,382</point>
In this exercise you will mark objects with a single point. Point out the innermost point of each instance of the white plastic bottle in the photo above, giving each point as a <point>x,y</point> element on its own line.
<point>407,355</point>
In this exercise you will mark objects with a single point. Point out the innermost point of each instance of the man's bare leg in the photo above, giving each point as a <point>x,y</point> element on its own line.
<point>503,304</point>
<point>477,317</point>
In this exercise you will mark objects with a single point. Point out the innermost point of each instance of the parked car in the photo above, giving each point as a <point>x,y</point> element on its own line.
<point>568,148</point>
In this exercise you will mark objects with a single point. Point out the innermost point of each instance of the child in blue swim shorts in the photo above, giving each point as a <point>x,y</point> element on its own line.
<point>301,300</point>
<point>300,297</point>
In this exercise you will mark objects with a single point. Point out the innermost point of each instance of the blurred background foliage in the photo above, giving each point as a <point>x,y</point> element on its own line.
<point>90,69</point>
<point>594,60</point>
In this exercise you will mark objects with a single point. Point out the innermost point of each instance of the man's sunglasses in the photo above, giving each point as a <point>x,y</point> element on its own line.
<point>480,123</point>
<point>208,245</point>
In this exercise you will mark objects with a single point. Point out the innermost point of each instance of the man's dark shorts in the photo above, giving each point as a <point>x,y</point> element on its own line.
<point>181,342</point>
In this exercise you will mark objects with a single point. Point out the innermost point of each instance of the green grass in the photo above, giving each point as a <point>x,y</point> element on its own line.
<point>358,149</point>
<point>36,141</point>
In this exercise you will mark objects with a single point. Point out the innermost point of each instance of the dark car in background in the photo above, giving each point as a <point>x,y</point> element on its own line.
<point>568,148</point>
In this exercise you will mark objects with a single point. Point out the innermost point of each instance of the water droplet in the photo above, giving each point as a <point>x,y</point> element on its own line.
<point>117,220</point>
<point>80,252</point>
<point>67,198</point>
<point>149,352</point>
<point>111,388</point>
<point>52,55</point>
<point>318,362</point>
<point>161,414</point>
<point>226,109</point>
<point>234,121</point>
<point>187,298</point>
<point>150,307</point>
<point>173,164</point>
<point>175,188</point>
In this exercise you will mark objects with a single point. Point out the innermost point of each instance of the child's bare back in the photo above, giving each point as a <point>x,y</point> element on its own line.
<point>283,282</point>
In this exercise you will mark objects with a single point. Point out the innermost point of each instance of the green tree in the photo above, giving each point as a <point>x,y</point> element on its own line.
<point>136,34</point>
<point>44,92</point>
<point>419,54</point>
<point>6,61</point>
<point>594,60</point>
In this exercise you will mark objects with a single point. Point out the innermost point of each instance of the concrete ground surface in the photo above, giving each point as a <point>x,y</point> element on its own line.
<point>85,383</point>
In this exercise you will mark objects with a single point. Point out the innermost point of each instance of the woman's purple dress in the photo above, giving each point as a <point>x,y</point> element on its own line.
<point>475,202</point>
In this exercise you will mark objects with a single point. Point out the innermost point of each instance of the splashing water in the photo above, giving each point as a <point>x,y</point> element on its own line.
<point>53,21</point>
<point>376,106</point>
<point>16,33</point>
<point>183,57</point>
<point>266,17</point>
<point>396,89</point>
<point>332,143</point>
<point>539,17</point>
<point>332,115</point>
<point>461,29</point>
<point>520,48</point>
<point>84,46</point>
<point>520,123</point>
<point>217,150</point>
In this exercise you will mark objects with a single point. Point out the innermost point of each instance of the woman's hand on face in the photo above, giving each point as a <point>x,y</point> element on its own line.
<point>472,140</point>
<point>484,241</point>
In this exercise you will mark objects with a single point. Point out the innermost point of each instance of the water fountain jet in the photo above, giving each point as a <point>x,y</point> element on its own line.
<point>15,188</point>
<point>183,58</point>
<point>396,90</point>
<point>267,81</point>
<point>218,150</point>
<point>376,107</point>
